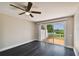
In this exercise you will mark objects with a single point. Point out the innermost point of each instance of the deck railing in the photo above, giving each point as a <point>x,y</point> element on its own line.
<point>56,35</point>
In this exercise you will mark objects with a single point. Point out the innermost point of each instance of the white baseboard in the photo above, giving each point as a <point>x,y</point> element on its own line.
<point>9,47</point>
<point>76,52</point>
<point>69,47</point>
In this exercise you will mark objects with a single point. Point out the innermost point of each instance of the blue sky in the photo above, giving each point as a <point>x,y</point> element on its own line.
<point>58,26</point>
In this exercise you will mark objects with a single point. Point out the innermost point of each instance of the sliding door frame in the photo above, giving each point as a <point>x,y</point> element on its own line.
<point>64,22</point>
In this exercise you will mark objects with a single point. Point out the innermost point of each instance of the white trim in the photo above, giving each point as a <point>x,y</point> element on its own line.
<point>76,52</point>
<point>9,47</point>
<point>69,46</point>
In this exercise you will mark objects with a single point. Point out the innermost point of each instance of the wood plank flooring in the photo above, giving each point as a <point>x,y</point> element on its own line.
<point>55,40</point>
<point>37,48</point>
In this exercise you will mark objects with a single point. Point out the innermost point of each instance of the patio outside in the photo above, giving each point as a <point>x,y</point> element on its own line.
<point>55,33</point>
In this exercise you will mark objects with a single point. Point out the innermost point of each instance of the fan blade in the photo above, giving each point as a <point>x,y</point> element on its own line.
<point>29,6</point>
<point>17,7</point>
<point>22,13</point>
<point>31,15</point>
<point>37,12</point>
<point>20,4</point>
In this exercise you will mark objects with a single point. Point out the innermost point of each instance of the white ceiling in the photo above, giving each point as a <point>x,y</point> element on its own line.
<point>50,10</point>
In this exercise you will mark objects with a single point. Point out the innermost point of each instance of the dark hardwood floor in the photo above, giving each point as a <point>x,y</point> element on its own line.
<point>37,48</point>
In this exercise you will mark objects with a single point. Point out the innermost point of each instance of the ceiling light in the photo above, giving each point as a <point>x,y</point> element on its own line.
<point>27,13</point>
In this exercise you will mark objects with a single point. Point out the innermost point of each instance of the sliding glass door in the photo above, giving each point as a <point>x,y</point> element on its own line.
<point>55,33</point>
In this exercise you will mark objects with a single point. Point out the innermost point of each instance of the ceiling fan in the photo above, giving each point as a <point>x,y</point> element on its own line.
<point>27,9</point>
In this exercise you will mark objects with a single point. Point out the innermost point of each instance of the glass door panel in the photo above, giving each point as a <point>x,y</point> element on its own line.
<point>56,33</point>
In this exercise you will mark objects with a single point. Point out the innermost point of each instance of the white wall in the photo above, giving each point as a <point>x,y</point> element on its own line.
<point>76,32</point>
<point>15,31</point>
<point>69,33</point>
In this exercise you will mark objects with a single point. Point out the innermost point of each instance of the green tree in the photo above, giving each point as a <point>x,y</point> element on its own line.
<point>50,28</point>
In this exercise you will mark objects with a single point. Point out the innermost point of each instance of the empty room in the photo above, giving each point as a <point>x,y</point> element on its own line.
<point>39,28</point>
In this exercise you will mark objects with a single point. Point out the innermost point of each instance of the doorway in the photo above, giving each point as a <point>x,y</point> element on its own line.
<point>55,33</point>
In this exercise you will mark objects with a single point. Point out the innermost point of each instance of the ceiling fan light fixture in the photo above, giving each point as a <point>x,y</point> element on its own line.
<point>26,9</point>
<point>27,13</point>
